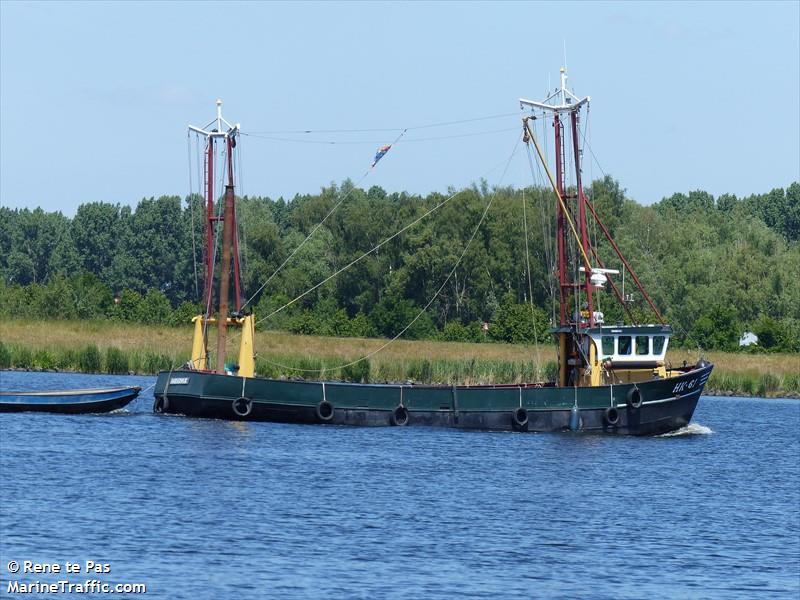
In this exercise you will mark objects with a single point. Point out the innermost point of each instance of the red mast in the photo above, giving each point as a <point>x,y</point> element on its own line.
<point>221,129</point>
<point>563,285</point>
<point>575,352</point>
<point>587,284</point>
<point>562,101</point>
<point>235,230</point>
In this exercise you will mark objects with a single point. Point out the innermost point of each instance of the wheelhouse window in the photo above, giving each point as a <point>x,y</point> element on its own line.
<point>608,345</point>
<point>642,345</point>
<point>658,344</point>
<point>624,344</point>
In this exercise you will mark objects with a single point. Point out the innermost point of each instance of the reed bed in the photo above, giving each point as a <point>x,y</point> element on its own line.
<point>119,348</point>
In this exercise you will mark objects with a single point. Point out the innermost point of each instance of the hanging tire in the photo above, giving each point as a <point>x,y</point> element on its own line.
<point>611,415</point>
<point>634,397</point>
<point>160,405</point>
<point>399,417</point>
<point>242,406</point>
<point>325,411</point>
<point>519,419</point>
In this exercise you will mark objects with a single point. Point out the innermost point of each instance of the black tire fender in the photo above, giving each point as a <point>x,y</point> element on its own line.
<point>242,407</point>
<point>160,404</point>
<point>325,411</point>
<point>634,397</point>
<point>519,419</point>
<point>611,415</point>
<point>399,416</point>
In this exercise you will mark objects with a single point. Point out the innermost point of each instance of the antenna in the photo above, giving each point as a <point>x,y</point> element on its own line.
<point>566,101</point>
<point>217,132</point>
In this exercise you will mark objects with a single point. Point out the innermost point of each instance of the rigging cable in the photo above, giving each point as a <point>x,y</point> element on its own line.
<point>191,207</point>
<point>546,213</point>
<point>385,129</point>
<point>373,249</point>
<point>316,227</point>
<point>586,134</point>
<point>546,224</point>
<point>241,247</point>
<point>530,287</point>
<point>597,162</point>
<point>370,142</point>
<point>216,241</point>
<point>567,213</point>
<point>435,295</point>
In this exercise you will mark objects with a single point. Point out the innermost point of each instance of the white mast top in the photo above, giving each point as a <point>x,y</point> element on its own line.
<point>218,131</point>
<point>568,100</point>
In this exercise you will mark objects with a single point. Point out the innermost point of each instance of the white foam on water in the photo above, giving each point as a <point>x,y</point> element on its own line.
<point>690,429</point>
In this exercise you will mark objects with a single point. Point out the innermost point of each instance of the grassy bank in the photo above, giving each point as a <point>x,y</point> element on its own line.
<point>102,346</point>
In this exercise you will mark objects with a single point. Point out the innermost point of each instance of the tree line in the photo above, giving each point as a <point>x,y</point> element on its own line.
<point>716,267</point>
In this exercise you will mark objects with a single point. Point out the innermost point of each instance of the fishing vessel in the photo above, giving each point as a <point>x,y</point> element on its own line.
<point>611,378</point>
<point>95,400</point>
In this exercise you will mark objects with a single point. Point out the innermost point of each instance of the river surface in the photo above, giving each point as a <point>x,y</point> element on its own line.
<point>214,509</point>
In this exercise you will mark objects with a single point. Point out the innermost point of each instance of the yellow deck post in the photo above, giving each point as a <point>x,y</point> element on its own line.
<point>594,377</point>
<point>199,351</point>
<point>247,366</point>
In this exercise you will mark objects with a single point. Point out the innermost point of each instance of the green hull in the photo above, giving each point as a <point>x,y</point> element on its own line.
<point>655,406</point>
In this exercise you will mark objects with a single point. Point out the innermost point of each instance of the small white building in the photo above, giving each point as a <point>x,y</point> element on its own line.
<point>748,339</point>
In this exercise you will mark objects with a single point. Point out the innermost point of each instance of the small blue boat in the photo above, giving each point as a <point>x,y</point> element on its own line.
<point>98,400</point>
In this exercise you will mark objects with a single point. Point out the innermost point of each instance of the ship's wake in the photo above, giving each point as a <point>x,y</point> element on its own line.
<point>690,429</point>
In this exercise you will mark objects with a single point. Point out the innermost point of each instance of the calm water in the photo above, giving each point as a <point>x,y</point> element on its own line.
<point>213,509</point>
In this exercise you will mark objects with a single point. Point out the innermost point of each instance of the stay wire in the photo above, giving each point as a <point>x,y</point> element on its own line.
<point>241,225</point>
<point>530,286</point>
<point>317,226</point>
<point>546,225</point>
<point>597,162</point>
<point>191,208</point>
<point>547,216</point>
<point>371,142</point>
<point>435,295</point>
<point>384,129</point>
<point>364,255</point>
<point>215,242</point>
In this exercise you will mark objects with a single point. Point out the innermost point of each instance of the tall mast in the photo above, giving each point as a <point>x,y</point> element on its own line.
<point>225,277</point>
<point>563,286</point>
<point>587,284</point>
<point>222,130</point>
<point>564,105</point>
<point>575,352</point>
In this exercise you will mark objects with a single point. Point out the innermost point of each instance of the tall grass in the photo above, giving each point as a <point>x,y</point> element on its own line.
<point>117,362</point>
<point>119,348</point>
<point>5,356</point>
<point>766,385</point>
<point>424,370</point>
<point>88,360</point>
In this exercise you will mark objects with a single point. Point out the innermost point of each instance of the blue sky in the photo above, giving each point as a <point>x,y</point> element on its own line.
<point>95,97</point>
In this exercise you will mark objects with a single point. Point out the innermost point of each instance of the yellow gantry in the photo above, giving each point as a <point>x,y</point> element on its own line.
<point>247,366</point>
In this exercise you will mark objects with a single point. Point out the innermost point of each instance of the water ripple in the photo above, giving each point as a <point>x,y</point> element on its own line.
<point>215,509</point>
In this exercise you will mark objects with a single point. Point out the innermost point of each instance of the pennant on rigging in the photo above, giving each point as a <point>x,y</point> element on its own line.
<point>380,154</point>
